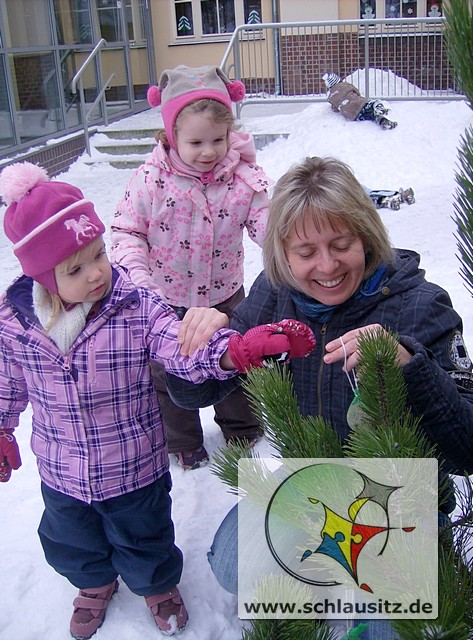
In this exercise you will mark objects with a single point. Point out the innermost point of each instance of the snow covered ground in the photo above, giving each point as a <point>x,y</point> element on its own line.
<point>421,152</point>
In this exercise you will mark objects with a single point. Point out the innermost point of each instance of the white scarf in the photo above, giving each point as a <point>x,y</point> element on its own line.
<point>67,325</point>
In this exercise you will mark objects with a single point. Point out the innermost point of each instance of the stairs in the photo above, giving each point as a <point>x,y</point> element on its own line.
<point>128,148</point>
<point>121,148</point>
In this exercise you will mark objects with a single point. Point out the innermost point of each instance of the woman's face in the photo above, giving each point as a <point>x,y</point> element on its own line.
<point>329,264</point>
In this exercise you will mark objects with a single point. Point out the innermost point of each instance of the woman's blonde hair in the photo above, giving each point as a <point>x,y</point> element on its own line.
<point>218,112</point>
<point>326,190</point>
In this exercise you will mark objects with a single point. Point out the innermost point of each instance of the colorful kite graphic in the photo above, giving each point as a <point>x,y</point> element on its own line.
<point>343,538</point>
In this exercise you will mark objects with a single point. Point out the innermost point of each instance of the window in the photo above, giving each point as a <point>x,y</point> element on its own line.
<point>109,20</point>
<point>434,8</point>
<point>252,11</point>
<point>135,11</point>
<point>73,22</point>
<point>401,8</point>
<point>367,9</point>
<point>184,20</point>
<point>370,9</point>
<point>203,18</point>
<point>34,28</point>
<point>218,16</point>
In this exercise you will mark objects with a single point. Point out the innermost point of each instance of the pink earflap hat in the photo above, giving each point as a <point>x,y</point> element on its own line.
<point>182,85</point>
<point>46,221</point>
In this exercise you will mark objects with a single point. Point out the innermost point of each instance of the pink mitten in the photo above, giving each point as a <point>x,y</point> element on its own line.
<point>275,341</point>
<point>9,454</point>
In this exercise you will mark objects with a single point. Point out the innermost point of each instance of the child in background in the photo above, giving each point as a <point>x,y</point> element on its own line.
<point>179,228</point>
<point>345,98</point>
<point>76,338</point>
<point>388,199</point>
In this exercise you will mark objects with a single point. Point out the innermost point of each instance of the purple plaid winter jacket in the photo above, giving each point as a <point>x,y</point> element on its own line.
<point>97,428</point>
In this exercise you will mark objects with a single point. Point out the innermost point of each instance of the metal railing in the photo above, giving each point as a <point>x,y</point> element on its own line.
<point>395,59</point>
<point>102,88</point>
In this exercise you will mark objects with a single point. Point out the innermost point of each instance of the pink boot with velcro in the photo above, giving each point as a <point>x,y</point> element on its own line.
<point>168,610</point>
<point>89,610</point>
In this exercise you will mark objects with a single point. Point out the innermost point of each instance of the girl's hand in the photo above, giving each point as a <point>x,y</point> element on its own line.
<point>336,351</point>
<point>197,327</point>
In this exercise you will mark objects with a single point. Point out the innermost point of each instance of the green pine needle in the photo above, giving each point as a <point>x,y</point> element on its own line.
<point>288,630</point>
<point>272,398</point>
<point>225,464</point>
<point>463,206</point>
<point>459,41</point>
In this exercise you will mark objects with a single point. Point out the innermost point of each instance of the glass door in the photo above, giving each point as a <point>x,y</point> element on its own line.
<point>125,24</point>
<point>140,38</point>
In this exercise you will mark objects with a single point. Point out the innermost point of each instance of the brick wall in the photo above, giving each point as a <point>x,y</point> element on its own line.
<point>55,158</point>
<point>414,58</point>
<point>304,59</point>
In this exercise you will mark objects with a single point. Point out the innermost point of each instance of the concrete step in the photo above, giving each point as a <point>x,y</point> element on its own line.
<point>124,134</point>
<point>263,139</point>
<point>118,162</point>
<point>125,149</point>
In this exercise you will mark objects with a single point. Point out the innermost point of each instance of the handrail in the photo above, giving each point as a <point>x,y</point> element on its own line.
<point>77,80</point>
<point>105,87</point>
<point>100,44</point>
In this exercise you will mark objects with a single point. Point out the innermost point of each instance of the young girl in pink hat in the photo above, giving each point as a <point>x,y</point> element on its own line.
<point>179,228</point>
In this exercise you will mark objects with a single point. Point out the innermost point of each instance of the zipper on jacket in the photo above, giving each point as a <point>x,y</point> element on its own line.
<point>68,369</point>
<point>323,333</point>
<point>91,360</point>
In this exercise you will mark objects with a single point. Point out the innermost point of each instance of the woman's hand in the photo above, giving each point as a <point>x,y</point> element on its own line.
<point>346,347</point>
<point>197,327</point>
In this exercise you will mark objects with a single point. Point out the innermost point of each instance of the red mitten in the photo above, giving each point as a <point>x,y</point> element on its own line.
<point>275,341</point>
<point>9,454</point>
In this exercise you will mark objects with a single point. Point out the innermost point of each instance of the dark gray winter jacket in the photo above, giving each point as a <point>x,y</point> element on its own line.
<point>439,377</point>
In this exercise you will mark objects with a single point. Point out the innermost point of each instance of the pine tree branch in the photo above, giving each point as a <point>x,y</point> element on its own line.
<point>288,630</point>
<point>463,206</point>
<point>388,429</point>
<point>272,398</point>
<point>225,464</point>
<point>459,41</point>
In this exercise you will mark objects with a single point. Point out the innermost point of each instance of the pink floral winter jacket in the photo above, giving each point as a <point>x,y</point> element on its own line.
<point>181,234</point>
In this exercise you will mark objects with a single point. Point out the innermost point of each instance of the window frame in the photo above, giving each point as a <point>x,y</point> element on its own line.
<point>198,35</point>
<point>422,9</point>
<point>139,29</point>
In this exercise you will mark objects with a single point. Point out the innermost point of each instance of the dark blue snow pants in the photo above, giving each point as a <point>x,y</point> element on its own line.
<point>131,535</point>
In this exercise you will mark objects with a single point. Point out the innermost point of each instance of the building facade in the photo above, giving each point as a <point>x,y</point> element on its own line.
<point>45,43</point>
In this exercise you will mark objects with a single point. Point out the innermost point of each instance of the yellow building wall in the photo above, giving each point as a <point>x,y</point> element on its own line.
<point>308,10</point>
<point>348,9</point>
<point>169,53</point>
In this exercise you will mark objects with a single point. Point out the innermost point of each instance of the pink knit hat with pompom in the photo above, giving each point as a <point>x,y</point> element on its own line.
<point>182,85</point>
<point>46,221</point>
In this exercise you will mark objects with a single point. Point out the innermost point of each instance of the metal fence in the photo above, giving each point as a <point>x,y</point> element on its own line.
<point>395,59</point>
